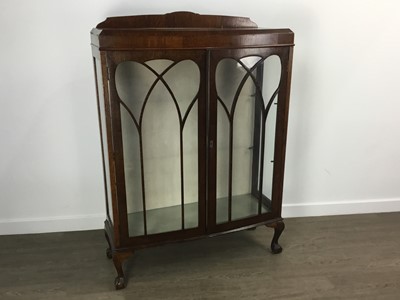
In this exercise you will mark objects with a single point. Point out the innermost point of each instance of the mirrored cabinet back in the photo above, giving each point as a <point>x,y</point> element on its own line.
<point>193,116</point>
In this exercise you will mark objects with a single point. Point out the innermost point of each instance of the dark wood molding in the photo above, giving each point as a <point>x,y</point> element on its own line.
<point>181,19</point>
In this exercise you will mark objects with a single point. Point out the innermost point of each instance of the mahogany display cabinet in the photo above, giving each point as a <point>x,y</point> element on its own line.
<point>193,116</point>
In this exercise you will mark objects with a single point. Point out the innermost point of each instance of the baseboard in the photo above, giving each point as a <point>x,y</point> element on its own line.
<point>340,208</point>
<point>96,221</point>
<point>52,224</point>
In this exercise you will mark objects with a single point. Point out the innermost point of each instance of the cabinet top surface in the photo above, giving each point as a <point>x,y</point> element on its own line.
<point>185,30</point>
<point>176,20</point>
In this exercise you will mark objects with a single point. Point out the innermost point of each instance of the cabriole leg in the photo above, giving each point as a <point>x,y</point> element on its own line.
<point>119,258</point>
<point>278,229</point>
<point>108,250</point>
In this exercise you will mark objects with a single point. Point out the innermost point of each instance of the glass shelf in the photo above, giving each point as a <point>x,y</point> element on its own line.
<point>243,206</point>
<point>163,219</point>
<point>168,219</point>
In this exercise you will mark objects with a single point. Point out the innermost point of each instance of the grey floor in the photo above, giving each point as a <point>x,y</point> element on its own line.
<point>341,257</point>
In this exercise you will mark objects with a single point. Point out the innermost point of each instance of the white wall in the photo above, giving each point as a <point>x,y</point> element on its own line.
<point>343,153</point>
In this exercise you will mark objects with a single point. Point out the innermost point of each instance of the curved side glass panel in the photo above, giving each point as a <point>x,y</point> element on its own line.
<point>271,80</point>
<point>104,140</point>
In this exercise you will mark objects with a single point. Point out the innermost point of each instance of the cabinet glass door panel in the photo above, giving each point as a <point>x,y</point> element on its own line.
<point>222,148</point>
<point>159,127</point>
<point>246,90</point>
<point>191,168</point>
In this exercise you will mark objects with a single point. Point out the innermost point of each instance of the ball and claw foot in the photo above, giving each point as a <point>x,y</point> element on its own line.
<point>276,248</point>
<point>108,253</point>
<point>119,283</point>
<point>278,228</point>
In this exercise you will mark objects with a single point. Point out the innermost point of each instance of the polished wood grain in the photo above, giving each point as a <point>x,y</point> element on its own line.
<point>112,40</point>
<point>185,30</point>
<point>339,257</point>
<point>180,19</point>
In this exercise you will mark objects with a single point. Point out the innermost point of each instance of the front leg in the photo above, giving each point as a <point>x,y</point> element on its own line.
<point>108,250</point>
<point>278,229</point>
<point>119,258</point>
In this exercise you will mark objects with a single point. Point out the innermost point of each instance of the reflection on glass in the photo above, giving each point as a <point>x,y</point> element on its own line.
<point>222,162</point>
<point>161,159</point>
<point>242,151</point>
<point>133,81</point>
<point>245,135</point>
<point>133,179</point>
<point>160,133</point>
<point>191,169</point>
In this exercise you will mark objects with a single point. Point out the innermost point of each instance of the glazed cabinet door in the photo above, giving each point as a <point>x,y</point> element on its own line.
<point>248,115</point>
<point>158,113</point>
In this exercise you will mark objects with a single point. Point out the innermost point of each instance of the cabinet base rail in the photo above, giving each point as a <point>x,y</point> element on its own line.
<point>121,256</point>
